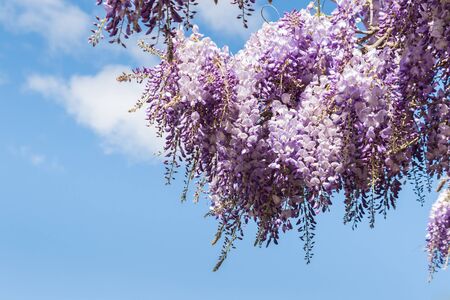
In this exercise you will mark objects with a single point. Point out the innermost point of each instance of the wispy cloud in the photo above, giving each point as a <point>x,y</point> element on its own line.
<point>100,103</point>
<point>36,159</point>
<point>221,18</point>
<point>65,27</point>
<point>63,24</point>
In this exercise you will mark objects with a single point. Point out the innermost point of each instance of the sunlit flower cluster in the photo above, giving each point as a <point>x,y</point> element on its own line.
<point>313,105</point>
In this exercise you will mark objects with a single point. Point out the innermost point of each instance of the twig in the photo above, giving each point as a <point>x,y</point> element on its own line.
<point>370,12</point>
<point>379,42</point>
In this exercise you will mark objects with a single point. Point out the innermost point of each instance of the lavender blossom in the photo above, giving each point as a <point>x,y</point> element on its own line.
<point>312,106</point>
<point>438,232</point>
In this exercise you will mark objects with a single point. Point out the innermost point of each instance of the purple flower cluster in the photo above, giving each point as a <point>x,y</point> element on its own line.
<point>126,17</point>
<point>313,105</point>
<point>438,232</point>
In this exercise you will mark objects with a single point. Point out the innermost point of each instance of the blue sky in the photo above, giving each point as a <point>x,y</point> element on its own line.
<point>85,213</point>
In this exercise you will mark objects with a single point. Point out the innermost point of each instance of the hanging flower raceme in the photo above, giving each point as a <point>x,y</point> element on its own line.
<point>438,231</point>
<point>313,105</point>
<point>126,17</point>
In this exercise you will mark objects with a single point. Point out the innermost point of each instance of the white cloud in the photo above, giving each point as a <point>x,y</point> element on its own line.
<point>101,103</point>
<point>64,25</point>
<point>222,18</point>
<point>36,159</point>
